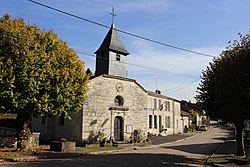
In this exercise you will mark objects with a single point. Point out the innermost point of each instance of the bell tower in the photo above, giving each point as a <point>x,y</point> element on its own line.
<point>111,56</point>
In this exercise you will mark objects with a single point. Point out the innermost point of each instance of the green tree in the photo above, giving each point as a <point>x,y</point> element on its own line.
<point>225,87</point>
<point>39,75</point>
<point>193,116</point>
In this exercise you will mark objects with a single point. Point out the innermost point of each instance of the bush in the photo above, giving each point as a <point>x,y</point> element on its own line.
<point>137,136</point>
<point>192,127</point>
<point>185,129</point>
<point>247,141</point>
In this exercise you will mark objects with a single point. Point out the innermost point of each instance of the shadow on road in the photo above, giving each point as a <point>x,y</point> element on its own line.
<point>207,148</point>
<point>219,138</point>
<point>196,148</point>
<point>117,160</point>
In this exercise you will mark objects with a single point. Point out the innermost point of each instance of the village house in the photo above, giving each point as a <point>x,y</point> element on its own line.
<point>193,114</point>
<point>163,114</point>
<point>185,116</point>
<point>116,106</point>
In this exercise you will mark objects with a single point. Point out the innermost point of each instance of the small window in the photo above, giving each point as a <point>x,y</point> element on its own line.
<point>118,101</point>
<point>155,121</point>
<point>159,104</point>
<point>167,105</point>
<point>150,121</point>
<point>155,104</point>
<point>118,57</point>
<point>167,122</point>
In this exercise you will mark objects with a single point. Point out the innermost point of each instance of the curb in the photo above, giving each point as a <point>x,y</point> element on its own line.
<point>216,152</point>
<point>63,155</point>
<point>150,146</point>
<point>164,144</point>
<point>218,148</point>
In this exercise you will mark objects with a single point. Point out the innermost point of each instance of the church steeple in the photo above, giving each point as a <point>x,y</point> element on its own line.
<point>111,56</point>
<point>112,42</point>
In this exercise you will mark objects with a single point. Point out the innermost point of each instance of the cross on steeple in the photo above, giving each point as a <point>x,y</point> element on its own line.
<point>113,15</point>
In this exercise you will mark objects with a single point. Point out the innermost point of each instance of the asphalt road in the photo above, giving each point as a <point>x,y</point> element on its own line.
<point>190,152</point>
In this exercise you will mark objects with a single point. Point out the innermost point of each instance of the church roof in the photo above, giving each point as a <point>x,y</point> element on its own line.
<point>112,42</point>
<point>120,78</point>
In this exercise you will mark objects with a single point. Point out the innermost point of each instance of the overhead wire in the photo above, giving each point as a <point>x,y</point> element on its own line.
<point>140,66</point>
<point>137,36</point>
<point>175,89</point>
<point>122,31</point>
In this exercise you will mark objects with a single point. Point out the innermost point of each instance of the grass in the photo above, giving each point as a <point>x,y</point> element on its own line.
<point>228,160</point>
<point>45,149</point>
<point>43,152</point>
<point>96,149</point>
<point>9,152</point>
<point>12,152</point>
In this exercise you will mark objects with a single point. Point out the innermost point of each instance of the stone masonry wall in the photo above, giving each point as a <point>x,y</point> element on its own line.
<point>98,115</point>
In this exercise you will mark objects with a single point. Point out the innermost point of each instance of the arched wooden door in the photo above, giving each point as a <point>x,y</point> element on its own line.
<point>118,128</point>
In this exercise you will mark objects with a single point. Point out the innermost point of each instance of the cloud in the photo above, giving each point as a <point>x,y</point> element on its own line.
<point>228,5</point>
<point>176,73</point>
<point>145,5</point>
<point>97,7</point>
<point>167,59</point>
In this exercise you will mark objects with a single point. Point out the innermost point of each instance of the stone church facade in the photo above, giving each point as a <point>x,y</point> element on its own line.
<point>115,108</point>
<point>116,105</point>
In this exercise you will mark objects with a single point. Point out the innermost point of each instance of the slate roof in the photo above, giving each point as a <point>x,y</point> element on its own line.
<point>150,93</point>
<point>184,113</point>
<point>112,42</point>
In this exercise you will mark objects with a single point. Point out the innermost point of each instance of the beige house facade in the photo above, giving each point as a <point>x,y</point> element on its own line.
<point>163,114</point>
<point>185,119</point>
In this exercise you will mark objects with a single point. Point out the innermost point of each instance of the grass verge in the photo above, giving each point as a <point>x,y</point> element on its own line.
<point>96,149</point>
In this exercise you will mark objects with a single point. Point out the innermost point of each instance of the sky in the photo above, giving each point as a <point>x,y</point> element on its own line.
<point>197,25</point>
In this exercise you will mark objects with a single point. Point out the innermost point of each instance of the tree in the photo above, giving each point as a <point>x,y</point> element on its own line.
<point>39,75</point>
<point>225,87</point>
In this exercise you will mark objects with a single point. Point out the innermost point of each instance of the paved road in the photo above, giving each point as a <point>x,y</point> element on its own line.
<point>190,152</point>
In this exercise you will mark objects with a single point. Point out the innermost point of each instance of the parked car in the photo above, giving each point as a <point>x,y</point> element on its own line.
<point>203,127</point>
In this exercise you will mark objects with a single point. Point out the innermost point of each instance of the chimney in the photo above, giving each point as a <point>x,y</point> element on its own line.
<point>158,92</point>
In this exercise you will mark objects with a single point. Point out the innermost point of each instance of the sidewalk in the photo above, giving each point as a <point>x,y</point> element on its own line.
<point>158,140</point>
<point>225,155</point>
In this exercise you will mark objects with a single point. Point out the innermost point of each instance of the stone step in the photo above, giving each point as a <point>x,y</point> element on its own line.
<point>121,144</point>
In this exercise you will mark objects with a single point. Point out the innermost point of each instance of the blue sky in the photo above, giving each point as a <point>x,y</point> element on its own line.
<point>197,25</point>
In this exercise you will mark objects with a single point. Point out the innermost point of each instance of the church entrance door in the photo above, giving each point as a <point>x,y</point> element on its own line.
<point>118,128</point>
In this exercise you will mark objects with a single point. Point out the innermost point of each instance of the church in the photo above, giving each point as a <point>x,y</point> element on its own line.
<point>116,106</point>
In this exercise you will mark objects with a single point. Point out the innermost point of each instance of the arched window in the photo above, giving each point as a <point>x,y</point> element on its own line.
<point>118,101</point>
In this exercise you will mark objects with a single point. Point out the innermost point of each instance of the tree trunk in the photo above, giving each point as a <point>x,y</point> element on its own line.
<point>23,130</point>
<point>239,137</point>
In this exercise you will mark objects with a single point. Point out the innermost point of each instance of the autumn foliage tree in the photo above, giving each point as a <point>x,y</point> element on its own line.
<point>225,87</point>
<point>39,75</point>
